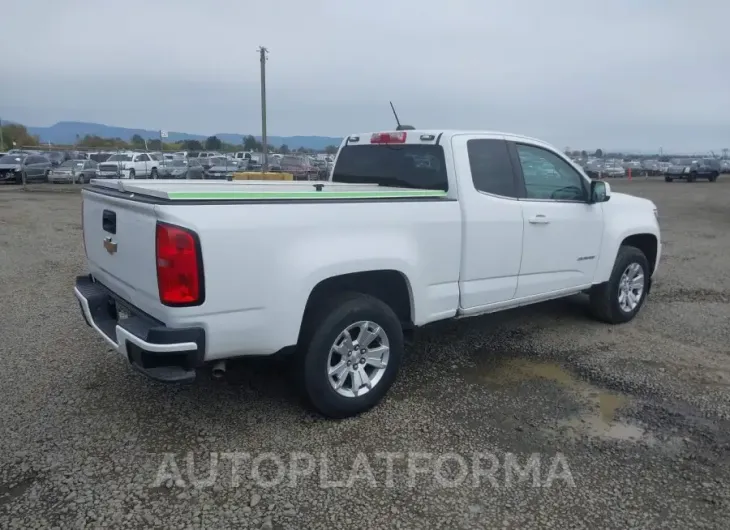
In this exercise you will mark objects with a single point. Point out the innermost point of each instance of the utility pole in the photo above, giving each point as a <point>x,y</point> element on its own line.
<point>263,57</point>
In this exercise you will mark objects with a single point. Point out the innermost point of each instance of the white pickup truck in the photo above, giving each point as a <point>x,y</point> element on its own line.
<point>130,165</point>
<point>413,227</point>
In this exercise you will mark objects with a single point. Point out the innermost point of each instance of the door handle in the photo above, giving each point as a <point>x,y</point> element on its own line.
<point>109,221</point>
<point>539,219</point>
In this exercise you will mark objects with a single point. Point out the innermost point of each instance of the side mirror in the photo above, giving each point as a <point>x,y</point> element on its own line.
<point>600,191</point>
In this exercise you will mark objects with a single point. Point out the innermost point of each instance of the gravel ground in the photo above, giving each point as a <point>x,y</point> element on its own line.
<point>625,427</point>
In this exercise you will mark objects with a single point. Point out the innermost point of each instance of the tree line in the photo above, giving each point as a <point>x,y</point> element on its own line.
<point>16,135</point>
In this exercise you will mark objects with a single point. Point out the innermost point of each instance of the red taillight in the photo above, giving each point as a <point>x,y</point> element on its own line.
<point>179,269</point>
<point>388,138</point>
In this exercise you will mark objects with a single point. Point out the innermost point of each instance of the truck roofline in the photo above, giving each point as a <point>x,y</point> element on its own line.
<point>444,134</point>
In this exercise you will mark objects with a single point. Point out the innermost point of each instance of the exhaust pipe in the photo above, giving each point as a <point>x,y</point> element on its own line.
<point>219,369</point>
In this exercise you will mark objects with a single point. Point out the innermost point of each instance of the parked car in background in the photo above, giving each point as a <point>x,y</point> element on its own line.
<point>634,165</point>
<point>242,155</point>
<point>593,167</point>
<point>705,168</point>
<point>99,157</point>
<point>650,167</point>
<point>221,168</point>
<point>692,169</point>
<point>57,157</point>
<point>195,169</point>
<point>129,165</point>
<point>725,166</point>
<point>253,162</point>
<point>321,165</point>
<point>300,167</point>
<point>613,169</point>
<point>10,167</point>
<point>274,164</point>
<point>677,168</point>
<point>663,167</point>
<point>182,168</point>
<point>208,162</point>
<point>207,154</point>
<point>14,166</point>
<point>74,171</point>
<point>174,168</point>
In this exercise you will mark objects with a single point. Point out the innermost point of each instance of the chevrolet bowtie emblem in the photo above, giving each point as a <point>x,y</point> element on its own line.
<point>109,245</point>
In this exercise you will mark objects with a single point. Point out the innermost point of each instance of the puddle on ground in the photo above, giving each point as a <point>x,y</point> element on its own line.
<point>598,419</point>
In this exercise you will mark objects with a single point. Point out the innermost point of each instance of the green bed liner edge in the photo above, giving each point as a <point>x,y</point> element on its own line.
<point>289,195</point>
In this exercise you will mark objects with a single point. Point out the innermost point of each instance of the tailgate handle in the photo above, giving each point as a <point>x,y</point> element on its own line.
<point>109,221</point>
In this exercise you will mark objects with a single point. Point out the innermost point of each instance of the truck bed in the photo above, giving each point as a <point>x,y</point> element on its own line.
<point>176,190</point>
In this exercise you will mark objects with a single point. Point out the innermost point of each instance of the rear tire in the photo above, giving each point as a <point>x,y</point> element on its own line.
<point>668,179</point>
<point>324,336</point>
<point>606,300</point>
<point>153,173</point>
<point>713,177</point>
<point>692,177</point>
<point>131,174</point>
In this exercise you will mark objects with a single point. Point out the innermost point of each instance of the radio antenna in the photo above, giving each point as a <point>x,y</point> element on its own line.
<point>397,121</point>
<point>395,114</point>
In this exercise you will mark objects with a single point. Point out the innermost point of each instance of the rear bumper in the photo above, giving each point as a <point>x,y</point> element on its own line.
<point>63,178</point>
<point>161,353</point>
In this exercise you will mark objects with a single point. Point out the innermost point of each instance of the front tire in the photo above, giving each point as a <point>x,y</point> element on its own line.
<point>350,353</point>
<point>153,173</point>
<point>621,297</point>
<point>668,179</point>
<point>692,177</point>
<point>131,174</point>
<point>713,177</point>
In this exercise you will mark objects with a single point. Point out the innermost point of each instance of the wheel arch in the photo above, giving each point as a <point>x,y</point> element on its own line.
<point>647,243</point>
<point>388,285</point>
<point>643,239</point>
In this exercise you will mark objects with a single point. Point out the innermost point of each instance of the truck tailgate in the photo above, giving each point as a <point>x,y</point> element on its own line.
<point>119,236</point>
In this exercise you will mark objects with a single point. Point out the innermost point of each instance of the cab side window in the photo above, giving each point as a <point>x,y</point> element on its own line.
<point>491,168</point>
<point>549,177</point>
<point>142,158</point>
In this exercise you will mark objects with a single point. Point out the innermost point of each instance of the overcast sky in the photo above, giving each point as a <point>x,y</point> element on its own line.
<point>578,73</point>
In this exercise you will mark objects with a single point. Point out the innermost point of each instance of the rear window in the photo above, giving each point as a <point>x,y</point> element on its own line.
<point>401,166</point>
<point>99,157</point>
<point>292,161</point>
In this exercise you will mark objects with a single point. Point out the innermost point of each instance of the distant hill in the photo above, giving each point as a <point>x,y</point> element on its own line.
<point>65,132</point>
